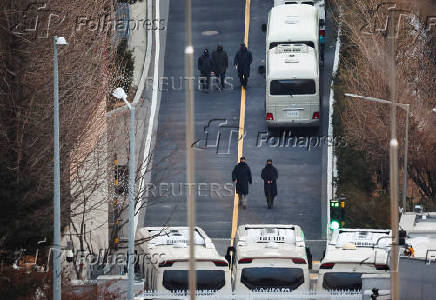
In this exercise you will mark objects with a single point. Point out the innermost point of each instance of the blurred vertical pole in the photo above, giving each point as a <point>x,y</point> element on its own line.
<point>132,171</point>
<point>190,170</point>
<point>393,152</point>
<point>56,181</point>
<point>406,149</point>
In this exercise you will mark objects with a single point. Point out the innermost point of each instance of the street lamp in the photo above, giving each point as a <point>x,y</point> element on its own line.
<point>404,106</point>
<point>121,94</point>
<point>56,176</point>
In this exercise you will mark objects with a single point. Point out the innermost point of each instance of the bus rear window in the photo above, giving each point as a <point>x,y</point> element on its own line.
<point>292,87</point>
<point>275,44</point>
<point>272,278</point>
<point>178,280</point>
<point>342,281</point>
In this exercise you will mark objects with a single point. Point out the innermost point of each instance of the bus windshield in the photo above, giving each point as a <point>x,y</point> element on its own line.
<point>292,87</point>
<point>178,280</point>
<point>275,44</point>
<point>276,278</point>
<point>342,281</point>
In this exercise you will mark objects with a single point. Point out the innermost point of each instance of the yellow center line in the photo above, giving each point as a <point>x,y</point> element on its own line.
<point>241,125</point>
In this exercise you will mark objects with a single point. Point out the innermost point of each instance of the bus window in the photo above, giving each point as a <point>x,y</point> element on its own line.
<point>279,278</point>
<point>178,280</point>
<point>342,281</point>
<point>275,44</point>
<point>293,87</point>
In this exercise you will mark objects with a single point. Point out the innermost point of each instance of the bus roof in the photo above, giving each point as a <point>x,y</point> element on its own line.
<point>283,64</point>
<point>270,241</point>
<point>359,246</point>
<point>174,242</point>
<point>421,232</point>
<point>374,238</point>
<point>293,23</point>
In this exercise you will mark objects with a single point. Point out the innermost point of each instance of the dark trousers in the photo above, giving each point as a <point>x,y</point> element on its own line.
<point>221,77</point>
<point>243,79</point>
<point>205,81</point>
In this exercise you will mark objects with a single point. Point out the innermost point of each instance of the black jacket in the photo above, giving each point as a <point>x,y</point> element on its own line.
<point>270,174</point>
<point>243,60</point>
<point>205,65</point>
<point>242,174</point>
<point>220,61</point>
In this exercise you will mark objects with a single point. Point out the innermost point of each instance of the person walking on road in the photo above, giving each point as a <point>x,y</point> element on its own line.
<point>205,65</point>
<point>241,175</point>
<point>220,62</point>
<point>242,62</point>
<point>269,176</point>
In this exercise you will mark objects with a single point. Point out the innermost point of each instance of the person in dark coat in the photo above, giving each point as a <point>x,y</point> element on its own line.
<point>269,176</point>
<point>220,62</point>
<point>205,65</point>
<point>241,175</point>
<point>242,62</point>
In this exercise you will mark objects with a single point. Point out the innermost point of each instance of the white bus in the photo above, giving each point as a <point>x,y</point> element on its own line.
<point>320,5</point>
<point>351,253</point>
<point>270,258</point>
<point>292,87</point>
<point>293,23</point>
<point>166,267</point>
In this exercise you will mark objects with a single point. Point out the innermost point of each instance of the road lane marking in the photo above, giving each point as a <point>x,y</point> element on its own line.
<point>241,126</point>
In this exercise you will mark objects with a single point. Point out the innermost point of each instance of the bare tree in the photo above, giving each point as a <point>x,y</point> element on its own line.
<point>363,71</point>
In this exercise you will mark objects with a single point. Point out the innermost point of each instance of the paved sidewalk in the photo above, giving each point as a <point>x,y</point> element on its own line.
<point>138,37</point>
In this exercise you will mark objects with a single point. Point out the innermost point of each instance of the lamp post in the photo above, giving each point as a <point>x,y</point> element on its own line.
<point>57,273</point>
<point>121,94</point>
<point>404,106</point>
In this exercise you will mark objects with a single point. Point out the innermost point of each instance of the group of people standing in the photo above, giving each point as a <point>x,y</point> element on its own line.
<point>217,64</point>
<point>241,176</point>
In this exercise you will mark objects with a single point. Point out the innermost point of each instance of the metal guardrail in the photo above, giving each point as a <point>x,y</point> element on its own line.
<point>350,295</point>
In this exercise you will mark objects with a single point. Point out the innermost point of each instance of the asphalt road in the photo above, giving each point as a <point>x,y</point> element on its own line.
<point>301,180</point>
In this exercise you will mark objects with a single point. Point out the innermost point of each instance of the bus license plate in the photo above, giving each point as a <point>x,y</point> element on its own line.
<point>293,113</point>
<point>271,238</point>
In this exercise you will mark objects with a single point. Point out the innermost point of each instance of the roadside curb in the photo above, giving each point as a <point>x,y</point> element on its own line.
<point>147,58</point>
<point>331,157</point>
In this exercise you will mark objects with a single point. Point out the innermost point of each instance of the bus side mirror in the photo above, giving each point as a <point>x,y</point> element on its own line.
<point>309,257</point>
<point>263,27</point>
<point>261,69</point>
<point>321,22</point>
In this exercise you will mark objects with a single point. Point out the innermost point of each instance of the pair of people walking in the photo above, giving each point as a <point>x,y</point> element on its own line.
<point>218,63</point>
<point>241,176</point>
<point>213,65</point>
